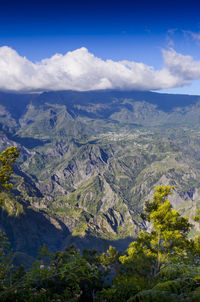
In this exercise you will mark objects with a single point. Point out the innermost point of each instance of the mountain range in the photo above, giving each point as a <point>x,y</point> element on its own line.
<point>89,161</point>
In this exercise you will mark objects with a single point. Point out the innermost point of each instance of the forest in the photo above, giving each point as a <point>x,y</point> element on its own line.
<point>162,264</point>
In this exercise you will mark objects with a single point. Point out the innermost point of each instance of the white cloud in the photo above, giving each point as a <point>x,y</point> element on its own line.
<point>81,70</point>
<point>185,68</point>
<point>194,35</point>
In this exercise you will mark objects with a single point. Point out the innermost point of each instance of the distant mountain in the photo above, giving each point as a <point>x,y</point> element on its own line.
<point>89,161</point>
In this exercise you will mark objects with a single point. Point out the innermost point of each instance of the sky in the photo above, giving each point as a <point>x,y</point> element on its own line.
<point>87,45</point>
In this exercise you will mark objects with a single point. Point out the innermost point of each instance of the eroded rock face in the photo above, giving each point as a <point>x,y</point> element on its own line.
<point>88,163</point>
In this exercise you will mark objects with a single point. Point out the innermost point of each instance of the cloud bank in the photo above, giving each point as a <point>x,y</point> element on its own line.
<point>81,70</point>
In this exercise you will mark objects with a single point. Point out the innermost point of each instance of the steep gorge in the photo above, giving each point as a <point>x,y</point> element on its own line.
<point>89,161</point>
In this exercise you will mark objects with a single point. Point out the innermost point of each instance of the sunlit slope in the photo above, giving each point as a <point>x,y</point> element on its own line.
<point>91,160</point>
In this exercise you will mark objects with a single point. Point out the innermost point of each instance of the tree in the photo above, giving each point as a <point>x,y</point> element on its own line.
<point>7,202</point>
<point>165,243</point>
<point>7,160</point>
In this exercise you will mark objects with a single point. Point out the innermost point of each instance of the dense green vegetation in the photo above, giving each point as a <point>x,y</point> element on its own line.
<point>7,159</point>
<point>160,265</point>
<point>7,201</point>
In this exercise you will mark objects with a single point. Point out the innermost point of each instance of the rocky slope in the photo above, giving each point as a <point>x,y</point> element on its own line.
<point>89,161</point>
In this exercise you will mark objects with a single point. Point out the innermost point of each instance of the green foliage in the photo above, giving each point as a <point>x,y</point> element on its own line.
<point>111,256</point>
<point>63,276</point>
<point>161,265</point>
<point>166,242</point>
<point>5,261</point>
<point>174,290</point>
<point>197,216</point>
<point>7,201</point>
<point>153,257</point>
<point>7,160</point>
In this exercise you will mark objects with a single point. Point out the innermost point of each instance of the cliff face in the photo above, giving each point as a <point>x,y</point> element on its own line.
<point>89,161</point>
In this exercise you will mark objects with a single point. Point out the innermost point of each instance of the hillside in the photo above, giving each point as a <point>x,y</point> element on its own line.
<point>89,161</point>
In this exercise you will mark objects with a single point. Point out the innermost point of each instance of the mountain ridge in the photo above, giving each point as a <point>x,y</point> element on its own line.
<point>92,159</point>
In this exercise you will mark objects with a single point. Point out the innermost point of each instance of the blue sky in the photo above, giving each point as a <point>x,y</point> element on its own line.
<point>117,30</point>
